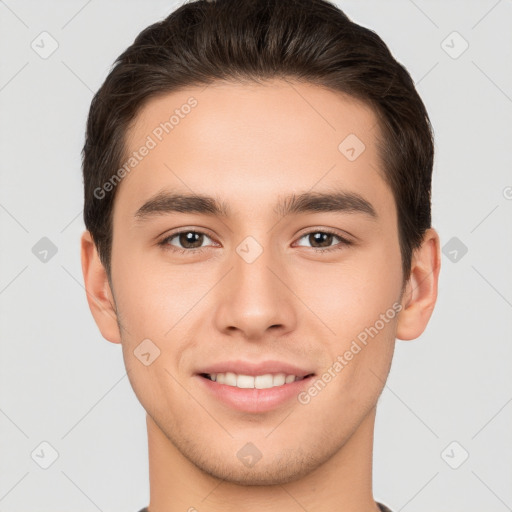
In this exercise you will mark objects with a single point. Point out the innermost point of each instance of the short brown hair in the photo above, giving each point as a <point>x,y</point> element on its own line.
<point>311,41</point>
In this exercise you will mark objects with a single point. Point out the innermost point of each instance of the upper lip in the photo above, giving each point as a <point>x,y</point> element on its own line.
<point>251,368</point>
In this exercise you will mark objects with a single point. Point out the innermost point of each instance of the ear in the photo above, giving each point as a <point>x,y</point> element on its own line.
<point>99,295</point>
<point>420,294</point>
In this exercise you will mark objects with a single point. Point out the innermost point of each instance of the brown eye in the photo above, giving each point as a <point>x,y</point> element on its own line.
<point>190,239</point>
<point>322,241</point>
<point>185,241</point>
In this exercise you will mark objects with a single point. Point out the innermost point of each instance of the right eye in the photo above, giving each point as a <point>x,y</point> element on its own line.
<point>185,238</point>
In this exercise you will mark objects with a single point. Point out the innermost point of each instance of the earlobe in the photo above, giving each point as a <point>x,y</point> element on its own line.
<point>97,287</point>
<point>420,296</point>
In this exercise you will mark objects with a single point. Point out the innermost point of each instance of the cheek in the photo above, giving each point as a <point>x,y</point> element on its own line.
<point>358,305</point>
<point>346,297</point>
<point>154,298</point>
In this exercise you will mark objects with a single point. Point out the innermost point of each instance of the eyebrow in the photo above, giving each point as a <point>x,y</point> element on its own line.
<point>307,202</point>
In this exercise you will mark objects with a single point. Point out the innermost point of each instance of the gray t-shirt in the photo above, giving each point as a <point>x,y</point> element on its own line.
<point>381,506</point>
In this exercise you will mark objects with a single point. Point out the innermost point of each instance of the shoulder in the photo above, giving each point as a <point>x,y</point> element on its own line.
<point>381,506</point>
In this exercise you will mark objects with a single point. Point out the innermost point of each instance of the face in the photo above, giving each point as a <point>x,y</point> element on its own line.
<point>268,285</point>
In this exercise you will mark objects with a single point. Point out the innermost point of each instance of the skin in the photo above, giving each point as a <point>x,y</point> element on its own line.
<point>249,144</point>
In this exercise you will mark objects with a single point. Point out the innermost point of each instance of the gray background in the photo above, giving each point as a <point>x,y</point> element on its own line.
<point>62,383</point>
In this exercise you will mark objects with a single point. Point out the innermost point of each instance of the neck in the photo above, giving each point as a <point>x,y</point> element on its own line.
<point>342,484</point>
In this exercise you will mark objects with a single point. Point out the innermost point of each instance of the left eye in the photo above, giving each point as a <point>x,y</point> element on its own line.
<point>324,238</point>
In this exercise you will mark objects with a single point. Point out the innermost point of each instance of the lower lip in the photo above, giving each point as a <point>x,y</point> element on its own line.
<point>252,399</point>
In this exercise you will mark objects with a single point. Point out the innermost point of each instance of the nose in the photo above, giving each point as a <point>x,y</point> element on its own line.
<point>256,301</point>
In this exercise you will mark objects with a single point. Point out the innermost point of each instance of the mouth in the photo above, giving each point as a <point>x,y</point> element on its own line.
<point>253,386</point>
<point>265,381</point>
<point>255,394</point>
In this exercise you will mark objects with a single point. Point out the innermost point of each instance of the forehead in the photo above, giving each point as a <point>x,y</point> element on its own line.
<point>251,141</point>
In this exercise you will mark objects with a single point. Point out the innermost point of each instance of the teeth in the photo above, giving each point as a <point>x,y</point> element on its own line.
<point>249,381</point>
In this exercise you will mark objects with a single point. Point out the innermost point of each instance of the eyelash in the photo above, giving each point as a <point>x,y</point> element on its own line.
<point>166,246</point>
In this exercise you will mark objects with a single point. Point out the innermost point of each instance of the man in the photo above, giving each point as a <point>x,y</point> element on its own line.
<point>257,202</point>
